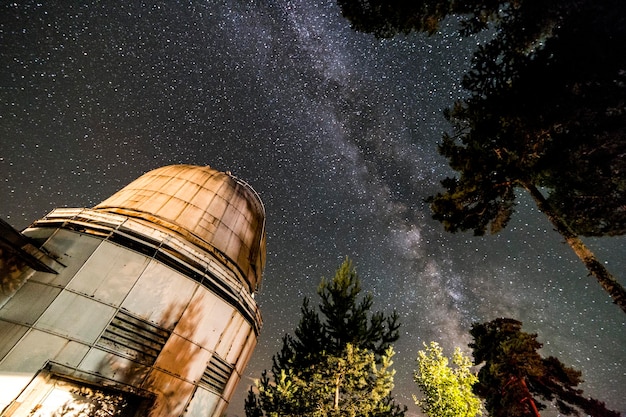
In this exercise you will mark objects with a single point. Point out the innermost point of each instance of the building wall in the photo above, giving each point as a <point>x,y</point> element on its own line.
<point>133,308</point>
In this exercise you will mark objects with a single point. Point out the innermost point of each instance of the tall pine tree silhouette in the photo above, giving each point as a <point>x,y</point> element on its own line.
<point>337,361</point>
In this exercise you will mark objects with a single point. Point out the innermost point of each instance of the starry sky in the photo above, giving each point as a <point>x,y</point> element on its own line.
<point>335,130</point>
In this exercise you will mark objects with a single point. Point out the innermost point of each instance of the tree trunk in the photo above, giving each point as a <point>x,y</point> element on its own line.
<point>336,401</point>
<point>604,277</point>
<point>530,399</point>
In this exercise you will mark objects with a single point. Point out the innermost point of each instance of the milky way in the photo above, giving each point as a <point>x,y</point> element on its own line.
<point>337,132</point>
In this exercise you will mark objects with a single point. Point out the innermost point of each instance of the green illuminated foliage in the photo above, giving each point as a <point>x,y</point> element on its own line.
<point>351,384</point>
<point>447,389</point>
<point>337,363</point>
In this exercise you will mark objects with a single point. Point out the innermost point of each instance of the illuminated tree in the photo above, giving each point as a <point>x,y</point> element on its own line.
<point>349,385</point>
<point>447,389</point>
<point>337,363</point>
<point>515,379</point>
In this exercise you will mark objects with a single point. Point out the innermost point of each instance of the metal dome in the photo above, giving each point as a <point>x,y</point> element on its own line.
<point>211,209</point>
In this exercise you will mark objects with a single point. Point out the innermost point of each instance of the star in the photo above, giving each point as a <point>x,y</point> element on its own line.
<point>336,130</point>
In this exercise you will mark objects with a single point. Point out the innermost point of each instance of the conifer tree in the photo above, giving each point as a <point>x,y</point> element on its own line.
<point>545,113</point>
<point>515,380</point>
<point>337,363</point>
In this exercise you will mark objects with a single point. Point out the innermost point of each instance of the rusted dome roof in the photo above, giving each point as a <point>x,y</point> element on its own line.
<point>210,208</point>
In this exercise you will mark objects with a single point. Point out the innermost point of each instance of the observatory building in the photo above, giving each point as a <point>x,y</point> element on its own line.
<point>141,306</point>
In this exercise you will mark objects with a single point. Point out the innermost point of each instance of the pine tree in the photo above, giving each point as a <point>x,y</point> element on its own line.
<point>515,379</point>
<point>545,113</point>
<point>337,363</point>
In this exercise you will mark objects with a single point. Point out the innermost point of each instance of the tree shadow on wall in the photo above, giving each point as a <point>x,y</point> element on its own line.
<point>159,361</point>
<point>13,273</point>
<point>180,365</point>
<point>146,359</point>
<point>95,402</point>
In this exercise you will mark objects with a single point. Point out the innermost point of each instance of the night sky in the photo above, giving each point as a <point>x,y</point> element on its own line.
<point>334,129</point>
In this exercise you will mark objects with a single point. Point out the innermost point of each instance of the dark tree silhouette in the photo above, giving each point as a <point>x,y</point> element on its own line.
<point>346,330</point>
<point>546,113</point>
<point>515,378</point>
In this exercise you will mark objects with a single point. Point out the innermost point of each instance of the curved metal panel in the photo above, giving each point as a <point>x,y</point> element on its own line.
<point>210,208</point>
